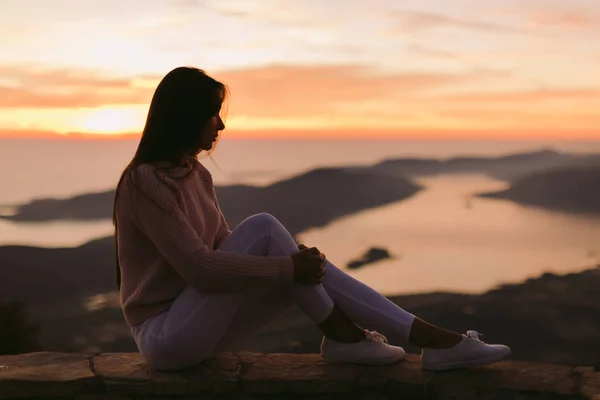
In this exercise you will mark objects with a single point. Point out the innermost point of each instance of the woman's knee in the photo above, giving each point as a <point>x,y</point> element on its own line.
<point>262,221</point>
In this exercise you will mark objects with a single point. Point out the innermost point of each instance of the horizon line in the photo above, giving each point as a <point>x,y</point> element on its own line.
<point>334,134</point>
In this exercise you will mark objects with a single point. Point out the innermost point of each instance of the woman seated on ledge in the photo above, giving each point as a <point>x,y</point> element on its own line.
<point>191,288</point>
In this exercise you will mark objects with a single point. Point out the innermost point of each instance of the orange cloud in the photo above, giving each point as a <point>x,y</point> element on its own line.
<point>50,134</point>
<point>514,119</point>
<point>527,96</point>
<point>278,98</point>
<point>64,88</point>
<point>59,77</point>
<point>12,98</point>
<point>296,91</point>
<point>262,92</point>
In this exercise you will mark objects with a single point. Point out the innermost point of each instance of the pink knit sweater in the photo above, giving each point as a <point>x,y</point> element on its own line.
<point>169,231</point>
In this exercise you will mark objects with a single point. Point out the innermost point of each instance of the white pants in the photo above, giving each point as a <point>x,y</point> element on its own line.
<point>198,325</point>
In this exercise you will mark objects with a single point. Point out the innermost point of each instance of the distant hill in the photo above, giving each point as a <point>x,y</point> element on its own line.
<point>328,187</point>
<point>506,167</point>
<point>315,198</point>
<point>90,206</point>
<point>308,200</point>
<point>41,276</point>
<point>575,189</point>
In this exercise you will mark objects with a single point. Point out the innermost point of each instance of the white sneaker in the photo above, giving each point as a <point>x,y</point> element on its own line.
<point>374,349</point>
<point>470,352</point>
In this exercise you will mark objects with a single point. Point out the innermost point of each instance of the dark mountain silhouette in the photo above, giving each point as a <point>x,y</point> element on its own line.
<point>575,189</point>
<point>505,167</point>
<point>326,185</point>
<point>311,199</point>
<point>38,275</point>
<point>90,206</point>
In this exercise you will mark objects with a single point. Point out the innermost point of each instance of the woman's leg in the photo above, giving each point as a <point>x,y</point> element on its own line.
<point>370,309</point>
<point>354,301</point>
<point>196,322</point>
<point>344,341</point>
<point>366,307</point>
<point>262,234</point>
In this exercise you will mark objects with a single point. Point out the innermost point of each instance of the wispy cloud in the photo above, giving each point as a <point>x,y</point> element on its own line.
<point>427,51</point>
<point>298,90</point>
<point>529,96</point>
<point>66,88</point>
<point>565,18</point>
<point>51,134</point>
<point>59,77</point>
<point>267,91</point>
<point>419,20</point>
<point>265,11</point>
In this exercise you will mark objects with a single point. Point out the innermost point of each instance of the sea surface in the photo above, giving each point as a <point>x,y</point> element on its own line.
<point>441,239</point>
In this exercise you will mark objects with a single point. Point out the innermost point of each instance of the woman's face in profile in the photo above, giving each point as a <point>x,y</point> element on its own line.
<point>210,133</point>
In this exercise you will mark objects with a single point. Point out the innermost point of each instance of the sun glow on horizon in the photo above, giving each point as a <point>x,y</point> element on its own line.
<point>109,120</point>
<point>508,68</point>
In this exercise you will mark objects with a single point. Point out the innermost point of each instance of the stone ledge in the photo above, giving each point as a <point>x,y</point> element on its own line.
<point>120,376</point>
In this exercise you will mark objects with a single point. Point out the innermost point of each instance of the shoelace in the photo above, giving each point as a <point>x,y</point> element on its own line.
<point>376,337</point>
<point>474,335</point>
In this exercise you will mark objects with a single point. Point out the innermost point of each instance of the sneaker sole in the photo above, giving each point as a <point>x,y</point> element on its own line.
<point>466,364</point>
<point>363,361</point>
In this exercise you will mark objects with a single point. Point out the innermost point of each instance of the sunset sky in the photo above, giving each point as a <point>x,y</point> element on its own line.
<point>334,68</point>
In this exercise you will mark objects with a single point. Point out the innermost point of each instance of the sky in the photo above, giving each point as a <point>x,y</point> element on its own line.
<point>335,68</point>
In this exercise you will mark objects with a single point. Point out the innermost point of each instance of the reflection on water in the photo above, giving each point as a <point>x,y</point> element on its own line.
<point>101,301</point>
<point>445,239</point>
<point>7,211</point>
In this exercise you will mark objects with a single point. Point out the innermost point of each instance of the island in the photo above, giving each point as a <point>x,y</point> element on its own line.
<point>312,199</point>
<point>372,255</point>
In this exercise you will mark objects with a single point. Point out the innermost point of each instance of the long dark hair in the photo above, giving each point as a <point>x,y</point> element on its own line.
<point>184,102</point>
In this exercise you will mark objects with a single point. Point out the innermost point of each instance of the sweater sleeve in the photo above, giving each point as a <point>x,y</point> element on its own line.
<point>155,211</point>
<point>224,231</point>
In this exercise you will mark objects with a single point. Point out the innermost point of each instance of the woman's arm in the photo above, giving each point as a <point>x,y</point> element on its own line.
<point>224,231</point>
<point>155,211</point>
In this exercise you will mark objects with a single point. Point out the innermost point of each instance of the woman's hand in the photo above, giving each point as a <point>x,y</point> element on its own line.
<point>309,265</point>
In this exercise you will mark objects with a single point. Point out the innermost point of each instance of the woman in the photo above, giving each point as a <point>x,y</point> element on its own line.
<point>191,288</point>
